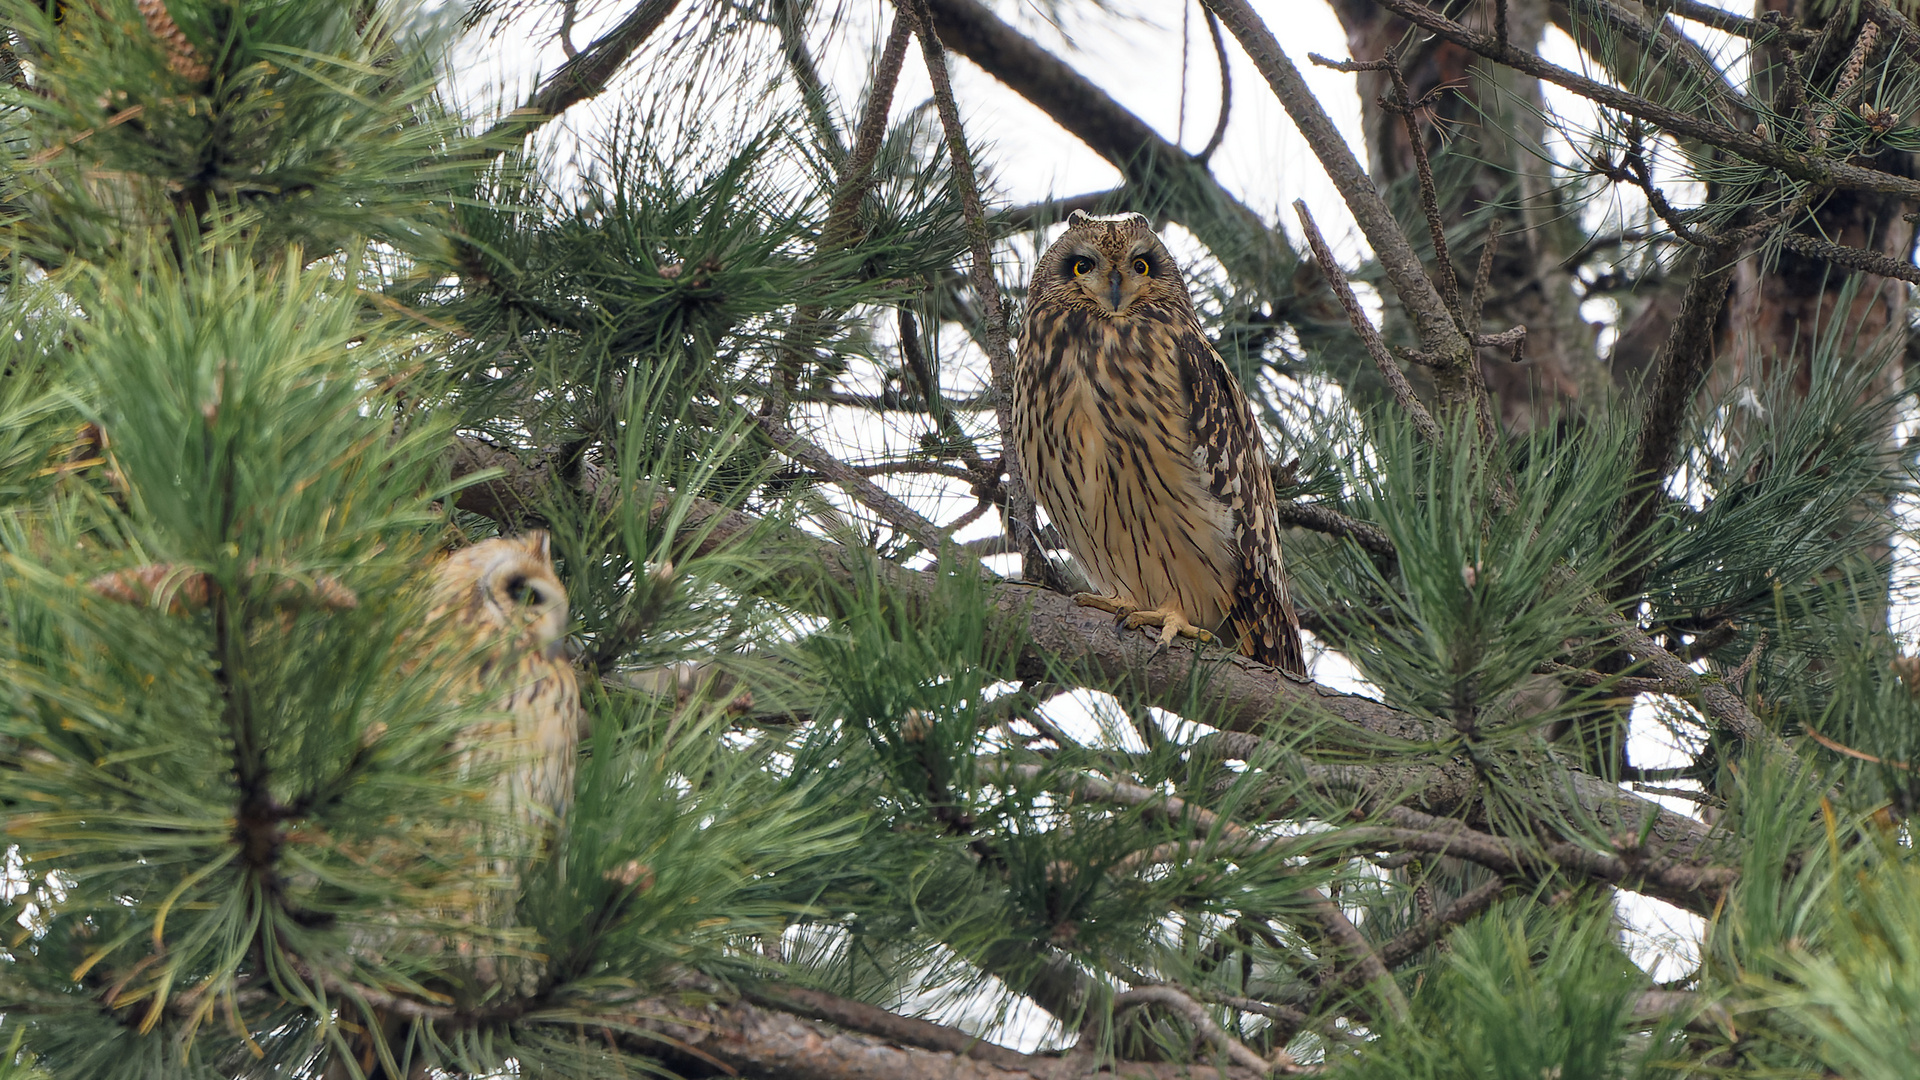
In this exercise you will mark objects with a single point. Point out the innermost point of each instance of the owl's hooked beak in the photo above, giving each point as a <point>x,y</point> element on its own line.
<point>1113,286</point>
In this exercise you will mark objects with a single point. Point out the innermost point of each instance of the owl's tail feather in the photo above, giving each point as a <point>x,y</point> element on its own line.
<point>1273,640</point>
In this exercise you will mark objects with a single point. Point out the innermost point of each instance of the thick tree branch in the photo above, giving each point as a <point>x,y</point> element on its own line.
<point>757,1042</point>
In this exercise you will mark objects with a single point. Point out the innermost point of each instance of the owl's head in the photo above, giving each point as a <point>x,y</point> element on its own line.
<point>1112,265</point>
<point>506,585</point>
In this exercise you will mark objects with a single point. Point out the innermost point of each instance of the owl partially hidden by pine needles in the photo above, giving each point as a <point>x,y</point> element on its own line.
<point>1138,442</point>
<point>496,632</point>
<point>501,599</point>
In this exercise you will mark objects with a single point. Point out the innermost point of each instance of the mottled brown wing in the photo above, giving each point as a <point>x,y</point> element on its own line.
<point>1227,447</point>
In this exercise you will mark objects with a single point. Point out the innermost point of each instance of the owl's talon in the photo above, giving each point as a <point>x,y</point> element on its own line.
<point>1110,604</point>
<point>1172,624</point>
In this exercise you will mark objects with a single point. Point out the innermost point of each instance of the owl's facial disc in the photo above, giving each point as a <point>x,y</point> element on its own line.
<point>1113,287</point>
<point>535,604</point>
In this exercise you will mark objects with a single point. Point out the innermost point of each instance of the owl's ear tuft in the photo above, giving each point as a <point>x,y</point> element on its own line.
<point>538,543</point>
<point>1078,218</point>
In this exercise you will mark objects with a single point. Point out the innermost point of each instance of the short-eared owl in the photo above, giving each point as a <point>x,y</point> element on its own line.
<point>1138,442</point>
<point>502,598</point>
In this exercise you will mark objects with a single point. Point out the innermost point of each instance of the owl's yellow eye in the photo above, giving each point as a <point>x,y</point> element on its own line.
<point>522,591</point>
<point>1140,267</point>
<point>1080,265</point>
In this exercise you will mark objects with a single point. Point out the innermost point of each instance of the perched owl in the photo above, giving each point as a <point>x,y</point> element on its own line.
<point>496,631</point>
<point>502,598</point>
<point>1138,442</point>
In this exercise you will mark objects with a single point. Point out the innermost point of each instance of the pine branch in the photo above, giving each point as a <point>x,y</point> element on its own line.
<point>585,75</point>
<point>1242,697</point>
<point>756,1041</point>
<point>786,16</point>
<point>872,1020</point>
<point>1322,518</point>
<point>1807,168</point>
<point>1456,369</point>
<point>1021,521</point>
<point>1631,865</point>
<point>1334,924</point>
<point>1226,90</point>
<point>1852,258</point>
<point>1250,250</point>
<point>866,492</point>
<point>1906,36</point>
<point>1665,53</point>
<point>1363,328</point>
<point>1428,930</point>
<point>856,170</point>
<point>1735,23</point>
<point>1192,1012</point>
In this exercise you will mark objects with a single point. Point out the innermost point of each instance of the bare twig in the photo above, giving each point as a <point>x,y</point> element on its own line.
<point>1656,875</point>
<point>1804,167</point>
<point>1428,930</point>
<point>985,476</point>
<point>866,492</point>
<point>1194,1013</point>
<point>1483,277</point>
<point>1402,102</point>
<point>787,18</point>
<point>1513,339</point>
<point>1325,519</point>
<point>1396,379</point>
<point>1020,508</point>
<point>585,75</point>
<point>1226,90</point>
<point>1457,373</point>
<point>1624,684</point>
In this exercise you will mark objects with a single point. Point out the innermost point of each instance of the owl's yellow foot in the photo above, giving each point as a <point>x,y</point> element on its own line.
<point>1172,623</point>
<point>1111,604</point>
